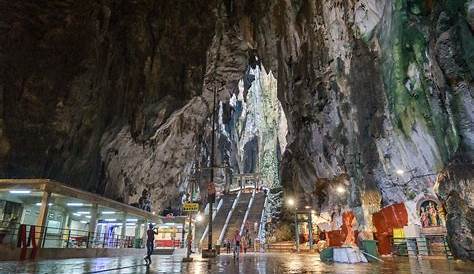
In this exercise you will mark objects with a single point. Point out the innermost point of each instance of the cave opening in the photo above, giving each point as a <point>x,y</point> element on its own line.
<point>253,127</point>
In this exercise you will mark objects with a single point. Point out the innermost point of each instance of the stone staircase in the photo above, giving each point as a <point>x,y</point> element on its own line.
<point>255,213</point>
<point>238,215</point>
<point>219,221</point>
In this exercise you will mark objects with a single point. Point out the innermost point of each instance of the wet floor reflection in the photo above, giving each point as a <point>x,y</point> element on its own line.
<point>250,263</point>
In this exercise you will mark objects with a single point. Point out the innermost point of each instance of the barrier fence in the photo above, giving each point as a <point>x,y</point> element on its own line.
<point>23,235</point>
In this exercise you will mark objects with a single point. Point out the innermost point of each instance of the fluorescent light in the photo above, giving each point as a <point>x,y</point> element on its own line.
<point>39,204</point>
<point>84,222</point>
<point>76,214</point>
<point>131,224</point>
<point>108,212</point>
<point>83,212</point>
<point>75,204</point>
<point>400,171</point>
<point>132,220</point>
<point>110,220</point>
<point>19,191</point>
<point>88,216</point>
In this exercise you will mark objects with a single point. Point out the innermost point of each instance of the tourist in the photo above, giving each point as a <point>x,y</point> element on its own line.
<point>227,243</point>
<point>150,241</point>
<point>243,243</point>
<point>236,241</point>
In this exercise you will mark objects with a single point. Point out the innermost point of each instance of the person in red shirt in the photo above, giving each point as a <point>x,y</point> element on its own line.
<point>150,243</point>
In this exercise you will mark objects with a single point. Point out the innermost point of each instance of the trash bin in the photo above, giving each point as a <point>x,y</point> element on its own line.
<point>327,255</point>
<point>370,247</point>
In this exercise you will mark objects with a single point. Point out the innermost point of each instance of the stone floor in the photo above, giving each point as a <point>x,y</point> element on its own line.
<point>249,263</point>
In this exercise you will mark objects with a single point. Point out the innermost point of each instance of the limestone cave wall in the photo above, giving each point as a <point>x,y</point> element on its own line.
<point>115,96</point>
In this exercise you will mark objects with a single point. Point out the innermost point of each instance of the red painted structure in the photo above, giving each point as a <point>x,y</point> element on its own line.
<point>337,237</point>
<point>388,218</point>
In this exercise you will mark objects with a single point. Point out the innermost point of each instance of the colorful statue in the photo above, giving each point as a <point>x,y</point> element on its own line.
<point>442,216</point>
<point>348,220</point>
<point>424,218</point>
<point>433,215</point>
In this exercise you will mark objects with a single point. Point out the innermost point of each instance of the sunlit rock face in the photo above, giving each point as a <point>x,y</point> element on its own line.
<point>116,97</point>
<point>255,127</point>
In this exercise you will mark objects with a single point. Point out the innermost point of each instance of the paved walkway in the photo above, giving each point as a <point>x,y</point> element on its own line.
<point>249,263</point>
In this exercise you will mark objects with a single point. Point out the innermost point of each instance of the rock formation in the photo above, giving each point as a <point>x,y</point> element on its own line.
<point>116,96</point>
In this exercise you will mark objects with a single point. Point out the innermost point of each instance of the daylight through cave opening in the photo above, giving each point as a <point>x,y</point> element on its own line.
<point>253,127</point>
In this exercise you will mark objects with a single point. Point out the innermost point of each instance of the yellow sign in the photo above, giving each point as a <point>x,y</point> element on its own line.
<point>191,207</point>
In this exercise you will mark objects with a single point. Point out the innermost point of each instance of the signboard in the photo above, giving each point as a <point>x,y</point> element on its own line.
<point>191,207</point>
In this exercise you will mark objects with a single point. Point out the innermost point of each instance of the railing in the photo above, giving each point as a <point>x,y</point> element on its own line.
<point>214,214</point>
<point>229,215</point>
<point>15,234</point>
<point>263,218</point>
<point>247,213</point>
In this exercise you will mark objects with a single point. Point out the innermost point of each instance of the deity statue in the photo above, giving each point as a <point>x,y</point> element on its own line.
<point>442,216</point>
<point>349,222</point>
<point>433,215</point>
<point>424,217</point>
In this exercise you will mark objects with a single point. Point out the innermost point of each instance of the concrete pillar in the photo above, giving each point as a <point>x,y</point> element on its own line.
<point>41,222</point>
<point>310,230</point>
<point>93,220</point>
<point>124,229</point>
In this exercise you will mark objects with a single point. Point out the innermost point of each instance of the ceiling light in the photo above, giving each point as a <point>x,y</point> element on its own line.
<point>20,191</point>
<point>110,220</point>
<point>83,212</point>
<point>340,189</point>
<point>400,171</point>
<point>39,204</point>
<point>199,217</point>
<point>75,204</point>
<point>290,202</point>
<point>132,220</point>
<point>307,207</point>
<point>84,222</point>
<point>76,214</point>
<point>108,212</point>
<point>88,216</point>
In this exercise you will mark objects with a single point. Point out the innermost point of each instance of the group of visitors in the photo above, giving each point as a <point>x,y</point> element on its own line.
<point>239,244</point>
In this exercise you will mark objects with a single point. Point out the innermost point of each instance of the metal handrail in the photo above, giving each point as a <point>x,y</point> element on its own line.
<point>64,238</point>
<point>247,213</point>
<point>213,217</point>
<point>229,215</point>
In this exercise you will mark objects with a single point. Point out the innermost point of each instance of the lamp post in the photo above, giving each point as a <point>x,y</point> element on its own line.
<point>211,189</point>
<point>310,228</point>
<point>291,203</point>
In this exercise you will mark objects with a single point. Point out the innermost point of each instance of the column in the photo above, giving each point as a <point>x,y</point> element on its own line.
<point>93,219</point>
<point>41,222</point>
<point>310,230</point>
<point>124,230</point>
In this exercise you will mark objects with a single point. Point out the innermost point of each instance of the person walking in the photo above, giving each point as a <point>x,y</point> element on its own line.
<point>150,242</point>
<point>236,244</point>
<point>228,246</point>
<point>243,243</point>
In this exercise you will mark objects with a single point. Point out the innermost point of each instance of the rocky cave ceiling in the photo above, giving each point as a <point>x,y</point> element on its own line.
<point>115,96</point>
